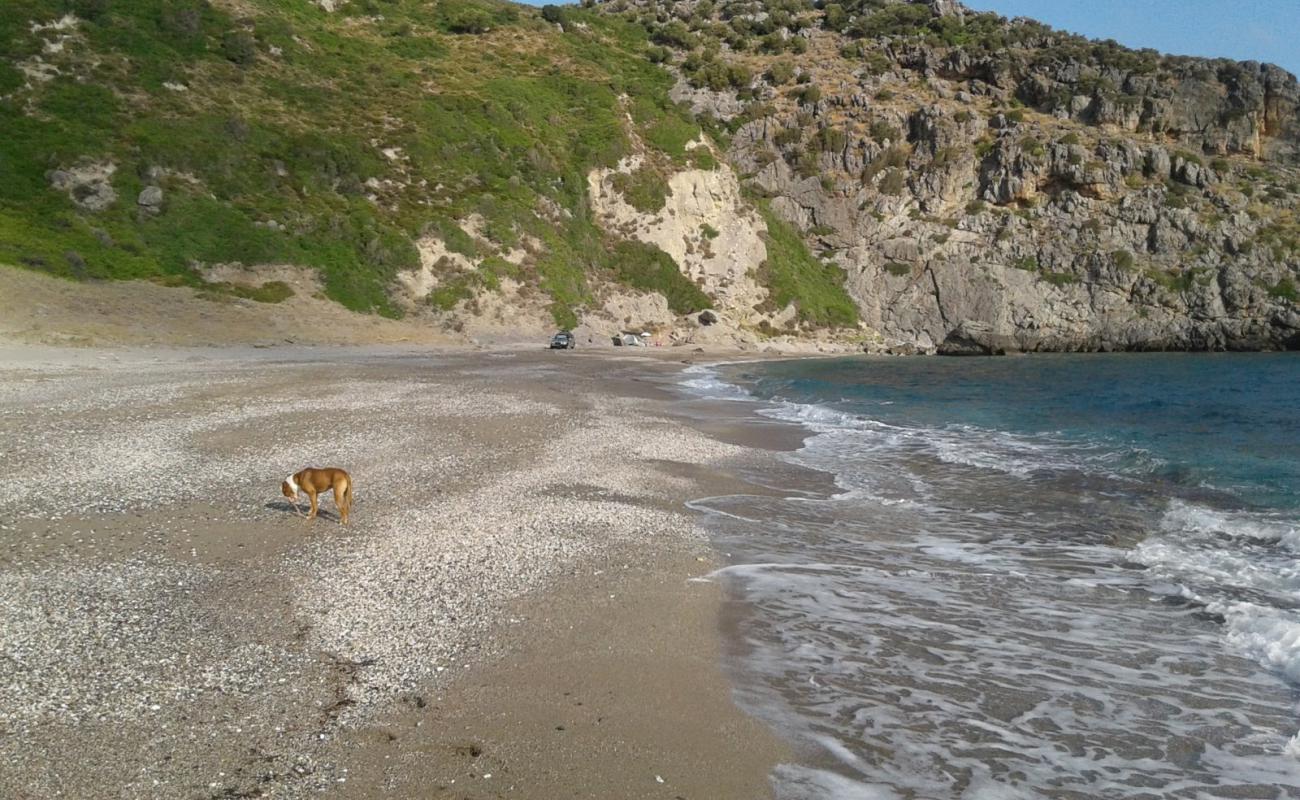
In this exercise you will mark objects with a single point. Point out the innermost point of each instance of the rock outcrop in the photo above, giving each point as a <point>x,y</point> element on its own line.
<point>993,186</point>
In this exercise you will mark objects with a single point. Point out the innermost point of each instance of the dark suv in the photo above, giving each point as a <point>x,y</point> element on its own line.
<point>563,341</point>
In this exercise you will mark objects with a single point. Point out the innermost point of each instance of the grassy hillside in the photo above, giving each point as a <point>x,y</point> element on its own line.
<point>280,132</point>
<point>149,139</point>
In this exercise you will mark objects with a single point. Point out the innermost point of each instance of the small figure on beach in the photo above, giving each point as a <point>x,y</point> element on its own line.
<point>318,480</point>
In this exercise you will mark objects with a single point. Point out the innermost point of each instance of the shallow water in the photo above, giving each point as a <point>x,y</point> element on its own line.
<point>1041,577</point>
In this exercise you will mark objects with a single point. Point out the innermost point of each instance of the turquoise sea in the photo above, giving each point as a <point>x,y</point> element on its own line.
<point>1048,576</point>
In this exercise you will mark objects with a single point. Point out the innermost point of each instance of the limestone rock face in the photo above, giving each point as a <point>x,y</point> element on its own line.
<point>1036,192</point>
<point>706,226</point>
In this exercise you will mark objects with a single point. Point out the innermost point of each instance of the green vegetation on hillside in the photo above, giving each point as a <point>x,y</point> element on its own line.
<point>289,134</point>
<point>648,268</point>
<point>793,275</point>
<point>157,137</point>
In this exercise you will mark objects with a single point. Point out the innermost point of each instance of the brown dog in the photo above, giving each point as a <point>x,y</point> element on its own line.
<point>313,481</point>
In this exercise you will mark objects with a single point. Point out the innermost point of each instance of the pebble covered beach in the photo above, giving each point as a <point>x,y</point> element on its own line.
<point>171,629</point>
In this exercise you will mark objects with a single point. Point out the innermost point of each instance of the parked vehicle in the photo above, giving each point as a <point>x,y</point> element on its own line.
<point>563,341</point>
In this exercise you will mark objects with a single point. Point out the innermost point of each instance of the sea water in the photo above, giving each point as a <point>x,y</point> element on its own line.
<point>1048,576</point>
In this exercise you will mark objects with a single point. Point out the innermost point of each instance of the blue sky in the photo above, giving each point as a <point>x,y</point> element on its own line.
<point>1256,30</point>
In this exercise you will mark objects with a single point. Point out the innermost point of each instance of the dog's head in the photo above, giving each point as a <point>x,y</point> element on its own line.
<point>289,488</point>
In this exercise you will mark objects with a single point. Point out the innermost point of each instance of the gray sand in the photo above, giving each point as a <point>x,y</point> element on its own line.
<point>170,629</point>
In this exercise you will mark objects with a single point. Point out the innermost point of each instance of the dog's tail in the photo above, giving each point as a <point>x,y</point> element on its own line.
<point>347,490</point>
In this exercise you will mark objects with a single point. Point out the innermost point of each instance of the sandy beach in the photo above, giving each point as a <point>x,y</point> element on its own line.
<point>511,612</point>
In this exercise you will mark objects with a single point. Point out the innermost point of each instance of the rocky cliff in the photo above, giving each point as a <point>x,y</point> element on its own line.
<point>878,174</point>
<point>992,185</point>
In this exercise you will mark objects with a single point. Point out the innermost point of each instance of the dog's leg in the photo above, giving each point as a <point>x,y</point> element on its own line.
<point>312,497</point>
<point>343,500</point>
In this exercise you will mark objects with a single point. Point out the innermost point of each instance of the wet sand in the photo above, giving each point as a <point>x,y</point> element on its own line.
<point>513,599</point>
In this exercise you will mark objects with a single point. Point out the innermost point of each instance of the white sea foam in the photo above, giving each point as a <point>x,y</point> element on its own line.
<point>1218,569</point>
<point>1197,520</point>
<point>970,618</point>
<point>1240,565</point>
<point>1013,454</point>
<point>1268,634</point>
<point>797,782</point>
<point>702,380</point>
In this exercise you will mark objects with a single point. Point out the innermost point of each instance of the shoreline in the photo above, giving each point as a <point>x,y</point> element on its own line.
<point>610,616</point>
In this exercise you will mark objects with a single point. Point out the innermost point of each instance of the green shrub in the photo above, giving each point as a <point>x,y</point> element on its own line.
<point>809,94</point>
<point>882,132</point>
<point>658,55</point>
<point>670,134</point>
<point>808,162</point>
<point>793,276</point>
<point>894,182</point>
<point>269,292</point>
<point>1173,280</point>
<point>452,291</point>
<point>701,158</point>
<point>460,286</point>
<point>708,231</point>
<point>182,20</point>
<point>878,64</point>
<point>475,19</point>
<point>772,43</point>
<point>646,267</point>
<point>1123,259</point>
<point>717,75</point>
<point>892,158</point>
<point>903,19</point>
<point>898,269</point>
<point>787,136</point>
<point>781,72</point>
<point>1058,278</point>
<point>834,17</point>
<point>239,47</point>
<point>945,156</point>
<point>831,140</point>
<point>1285,289</point>
<point>453,236</point>
<point>1028,263</point>
<point>494,268</point>
<point>645,189</point>
<point>976,207</point>
<point>92,10</point>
